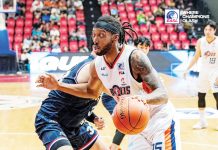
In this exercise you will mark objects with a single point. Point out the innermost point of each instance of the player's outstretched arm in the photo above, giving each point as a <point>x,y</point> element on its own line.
<point>194,59</point>
<point>92,89</point>
<point>143,70</point>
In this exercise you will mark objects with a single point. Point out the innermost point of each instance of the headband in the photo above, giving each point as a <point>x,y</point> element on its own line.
<point>106,26</point>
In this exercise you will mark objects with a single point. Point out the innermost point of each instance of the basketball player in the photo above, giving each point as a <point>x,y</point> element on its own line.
<point>143,44</point>
<point>122,70</point>
<point>207,49</point>
<point>61,121</point>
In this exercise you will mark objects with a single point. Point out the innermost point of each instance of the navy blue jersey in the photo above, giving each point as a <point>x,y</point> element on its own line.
<point>68,110</point>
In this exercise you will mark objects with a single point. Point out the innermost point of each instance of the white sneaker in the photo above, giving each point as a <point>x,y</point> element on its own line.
<point>200,125</point>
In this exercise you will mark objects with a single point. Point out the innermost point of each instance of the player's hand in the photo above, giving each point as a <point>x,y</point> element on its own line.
<point>114,147</point>
<point>47,81</point>
<point>99,123</point>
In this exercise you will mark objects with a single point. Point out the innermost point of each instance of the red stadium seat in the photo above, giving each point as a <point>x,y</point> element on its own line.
<point>28,23</point>
<point>28,30</point>
<point>82,43</point>
<point>185,44</point>
<point>63,44</point>
<point>10,22</point>
<point>146,8</point>
<point>159,20</point>
<point>153,28</point>
<point>155,36</point>
<point>177,44</point>
<point>19,22</point>
<point>131,15</point>
<point>123,14</point>
<point>64,37</point>
<point>28,15</point>
<point>194,41</point>
<point>10,30</point>
<point>170,28</point>
<point>19,30</point>
<point>63,22</point>
<point>173,36</point>
<point>121,7</point>
<point>11,38</point>
<point>146,34</point>
<point>158,45</point>
<point>152,2</point>
<point>144,2</point>
<point>154,8</point>
<point>182,36</point>
<point>164,36</point>
<point>17,46</point>
<point>138,5</point>
<point>18,38</point>
<point>143,28</point>
<point>63,30</point>
<point>161,28</point>
<point>129,7</point>
<point>73,46</point>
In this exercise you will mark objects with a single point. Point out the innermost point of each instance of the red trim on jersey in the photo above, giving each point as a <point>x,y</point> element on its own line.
<point>115,60</point>
<point>146,87</point>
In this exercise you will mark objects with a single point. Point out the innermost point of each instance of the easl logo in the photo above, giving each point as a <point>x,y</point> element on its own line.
<point>172,16</point>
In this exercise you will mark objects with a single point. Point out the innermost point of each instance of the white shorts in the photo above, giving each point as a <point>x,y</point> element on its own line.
<point>206,81</point>
<point>162,132</point>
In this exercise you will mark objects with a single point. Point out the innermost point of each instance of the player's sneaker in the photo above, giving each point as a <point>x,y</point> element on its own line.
<point>200,125</point>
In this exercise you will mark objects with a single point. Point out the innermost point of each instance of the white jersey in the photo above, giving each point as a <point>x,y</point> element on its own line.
<point>209,53</point>
<point>118,78</point>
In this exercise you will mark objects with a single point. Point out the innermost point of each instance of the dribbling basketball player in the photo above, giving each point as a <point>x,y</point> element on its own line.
<point>121,70</point>
<point>207,49</point>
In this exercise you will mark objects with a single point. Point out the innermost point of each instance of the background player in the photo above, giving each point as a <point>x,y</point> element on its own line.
<point>207,49</point>
<point>121,70</point>
<point>60,122</point>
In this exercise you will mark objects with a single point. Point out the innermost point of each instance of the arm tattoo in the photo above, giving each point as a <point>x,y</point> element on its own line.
<point>143,70</point>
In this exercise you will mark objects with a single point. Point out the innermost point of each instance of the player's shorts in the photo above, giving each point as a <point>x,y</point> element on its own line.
<point>54,136</point>
<point>206,81</point>
<point>162,132</point>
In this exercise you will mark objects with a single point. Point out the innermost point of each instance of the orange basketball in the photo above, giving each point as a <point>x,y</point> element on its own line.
<point>130,116</point>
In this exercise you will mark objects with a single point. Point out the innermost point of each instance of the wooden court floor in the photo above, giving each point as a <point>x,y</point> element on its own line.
<point>19,103</point>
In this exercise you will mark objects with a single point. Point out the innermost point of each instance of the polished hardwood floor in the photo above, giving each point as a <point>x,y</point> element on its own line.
<point>19,102</point>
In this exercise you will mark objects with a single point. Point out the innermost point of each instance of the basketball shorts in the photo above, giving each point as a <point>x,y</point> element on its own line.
<point>206,81</point>
<point>50,132</point>
<point>161,133</point>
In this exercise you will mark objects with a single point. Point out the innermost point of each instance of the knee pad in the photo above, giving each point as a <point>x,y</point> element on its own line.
<point>201,100</point>
<point>216,98</point>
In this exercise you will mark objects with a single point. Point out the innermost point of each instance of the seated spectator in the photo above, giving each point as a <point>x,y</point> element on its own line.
<point>73,36</point>
<point>114,12</point>
<point>141,18</point>
<point>55,17</point>
<point>78,4</point>
<point>172,46</point>
<point>37,5</point>
<point>27,42</point>
<point>24,61</point>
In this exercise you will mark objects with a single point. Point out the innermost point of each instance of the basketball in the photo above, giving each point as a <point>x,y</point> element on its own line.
<point>130,116</point>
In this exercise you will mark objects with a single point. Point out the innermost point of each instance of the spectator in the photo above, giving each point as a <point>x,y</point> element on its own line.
<point>141,18</point>
<point>37,5</point>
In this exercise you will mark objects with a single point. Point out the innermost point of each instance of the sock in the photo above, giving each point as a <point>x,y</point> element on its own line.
<point>202,116</point>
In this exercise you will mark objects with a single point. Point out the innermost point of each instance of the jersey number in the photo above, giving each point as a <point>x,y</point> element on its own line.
<point>212,60</point>
<point>90,130</point>
<point>157,146</point>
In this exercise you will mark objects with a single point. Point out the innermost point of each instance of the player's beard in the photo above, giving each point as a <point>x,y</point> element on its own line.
<point>105,49</point>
